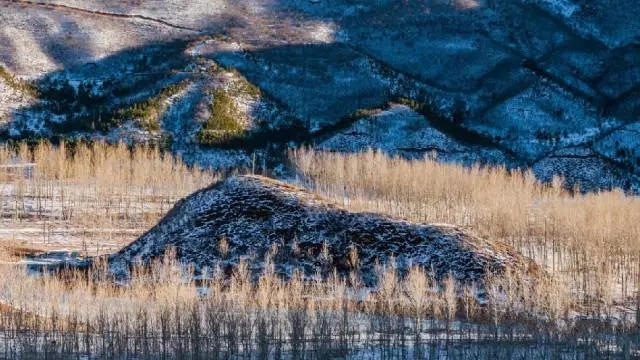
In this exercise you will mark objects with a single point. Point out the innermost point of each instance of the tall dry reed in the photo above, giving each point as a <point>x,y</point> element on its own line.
<point>101,195</point>
<point>591,241</point>
<point>161,313</point>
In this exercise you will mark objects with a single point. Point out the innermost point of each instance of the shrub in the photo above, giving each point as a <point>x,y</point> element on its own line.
<point>223,113</point>
<point>217,137</point>
<point>147,113</point>
<point>20,85</point>
<point>222,125</point>
<point>589,241</point>
<point>243,85</point>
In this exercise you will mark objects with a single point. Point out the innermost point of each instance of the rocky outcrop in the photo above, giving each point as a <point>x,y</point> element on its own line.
<point>258,218</point>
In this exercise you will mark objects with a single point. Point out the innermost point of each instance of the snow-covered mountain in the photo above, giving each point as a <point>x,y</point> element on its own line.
<point>549,85</point>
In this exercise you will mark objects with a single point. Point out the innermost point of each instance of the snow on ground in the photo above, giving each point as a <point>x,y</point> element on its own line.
<point>318,83</point>
<point>75,217</point>
<point>565,8</point>
<point>622,144</point>
<point>41,40</point>
<point>323,33</point>
<point>193,13</point>
<point>392,131</point>
<point>401,131</point>
<point>10,101</point>
<point>580,166</point>
<point>531,76</point>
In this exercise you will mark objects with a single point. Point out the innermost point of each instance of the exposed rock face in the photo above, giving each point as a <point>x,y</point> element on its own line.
<point>259,216</point>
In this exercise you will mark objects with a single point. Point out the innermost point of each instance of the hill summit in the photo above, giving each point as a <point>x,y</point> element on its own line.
<point>254,218</point>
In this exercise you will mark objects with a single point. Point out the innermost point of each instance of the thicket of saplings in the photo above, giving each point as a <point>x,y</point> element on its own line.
<point>102,189</point>
<point>590,242</point>
<point>160,314</point>
<point>163,312</point>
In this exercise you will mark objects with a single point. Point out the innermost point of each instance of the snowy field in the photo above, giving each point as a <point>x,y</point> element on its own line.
<point>75,218</point>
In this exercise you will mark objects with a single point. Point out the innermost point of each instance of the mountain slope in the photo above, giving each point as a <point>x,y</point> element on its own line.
<point>526,83</point>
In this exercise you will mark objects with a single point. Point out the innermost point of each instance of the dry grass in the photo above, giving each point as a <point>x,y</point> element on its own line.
<point>164,311</point>
<point>591,242</point>
<point>93,199</point>
<point>161,313</point>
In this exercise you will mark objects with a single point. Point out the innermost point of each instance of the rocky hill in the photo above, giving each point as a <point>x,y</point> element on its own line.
<point>551,85</point>
<point>254,218</point>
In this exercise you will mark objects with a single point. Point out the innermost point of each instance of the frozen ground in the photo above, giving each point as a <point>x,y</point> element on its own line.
<point>10,101</point>
<point>399,130</point>
<point>524,82</point>
<point>84,219</point>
